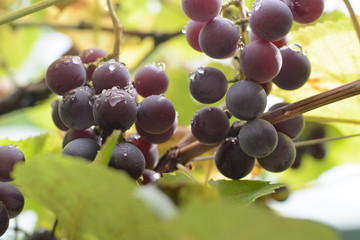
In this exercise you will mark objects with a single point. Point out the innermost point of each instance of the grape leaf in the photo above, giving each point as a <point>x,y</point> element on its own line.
<point>243,192</point>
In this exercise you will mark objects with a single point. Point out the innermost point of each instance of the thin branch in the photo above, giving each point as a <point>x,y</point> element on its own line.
<point>28,10</point>
<point>353,18</point>
<point>330,119</point>
<point>322,140</point>
<point>118,30</point>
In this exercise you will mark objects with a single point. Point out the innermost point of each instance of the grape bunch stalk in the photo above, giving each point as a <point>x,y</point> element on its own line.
<point>264,60</point>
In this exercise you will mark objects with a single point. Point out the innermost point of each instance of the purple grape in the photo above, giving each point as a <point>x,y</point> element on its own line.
<point>82,147</point>
<point>246,100</point>
<point>41,234</point>
<point>210,125</point>
<point>76,108</point>
<point>4,219</point>
<point>201,10</point>
<point>292,127</point>
<point>9,156</point>
<point>157,138</point>
<point>306,11</point>
<point>192,34</point>
<point>150,177</point>
<point>231,161</point>
<point>282,157</point>
<point>270,20</point>
<point>258,138</point>
<point>64,74</point>
<point>295,69</point>
<point>155,114</point>
<point>219,38</point>
<point>260,61</point>
<point>129,158</point>
<point>73,134</point>
<point>89,56</point>
<point>56,117</point>
<point>12,197</point>
<point>151,80</point>
<point>208,85</point>
<point>110,74</point>
<point>114,109</point>
<point>149,150</point>
<point>279,43</point>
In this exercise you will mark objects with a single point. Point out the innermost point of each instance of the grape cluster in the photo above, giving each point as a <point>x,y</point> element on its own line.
<point>98,95</point>
<point>264,61</point>
<point>11,198</point>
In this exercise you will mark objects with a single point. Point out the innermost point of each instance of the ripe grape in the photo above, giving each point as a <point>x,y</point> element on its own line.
<point>41,234</point>
<point>231,161</point>
<point>246,100</point>
<point>64,74</point>
<point>210,125</point>
<point>155,114</point>
<point>114,109</point>
<point>192,34</point>
<point>279,43</point>
<point>260,61</point>
<point>55,116</point>
<point>208,85</point>
<point>9,156</point>
<point>282,157</point>
<point>76,108</point>
<point>4,219</point>
<point>12,197</point>
<point>73,134</point>
<point>306,11</point>
<point>270,20</point>
<point>258,138</point>
<point>149,150</point>
<point>295,69</point>
<point>201,10</point>
<point>292,127</point>
<point>129,158</point>
<point>150,177</point>
<point>82,147</point>
<point>151,80</point>
<point>219,38</point>
<point>110,74</point>
<point>89,56</point>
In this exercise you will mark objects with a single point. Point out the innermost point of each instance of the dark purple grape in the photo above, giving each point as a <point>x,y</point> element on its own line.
<point>267,87</point>
<point>208,85</point>
<point>9,156</point>
<point>279,43</point>
<point>73,134</point>
<point>89,56</point>
<point>155,114</point>
<point>82,147</point>
<point>282,157</point>
<point>246,100</point>
<point>151,80</point>
<point>260,61</point>
<point>258,138</point>
<point>114,109</point>
<point>4,219</point>
<point>270,20</point>
<point>76,108</point>
<point>300,151</point>
<point>306,11</point>
<point>201,10</point>
<point>219,38</point>
<point>192,34</point>
<point>110,74</point>
<point>210,125</point>
<point>158,138</point>
<point>231,161</point>
<point>317,151</point>
<point>317,131</point>
<point>12,197</point>
<point>64,74</point>
<point>41,234</point>
<point>150,177</point>
<point>295,69</point>
<point>292,127</point>
<point>129,158</point>
<point>55,116</point>
<point>149,150</point>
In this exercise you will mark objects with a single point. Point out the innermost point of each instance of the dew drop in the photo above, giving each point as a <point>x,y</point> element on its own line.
<point>129,88</point>
<point>256,5</point>
<point>112,61</point>
<point>122,64</point>
<point>76,60</point>
<point>192,75</point>
<point>112,67</point>
<point>161,65</point>
<point>184,30</point>
<point>115,100</point>
<point>241,45</point>
<point>296,47</point>
<point>201,70</point>
<point>107,94</point>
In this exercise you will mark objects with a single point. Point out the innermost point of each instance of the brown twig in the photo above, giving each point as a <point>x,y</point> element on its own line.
<point>353,18</point>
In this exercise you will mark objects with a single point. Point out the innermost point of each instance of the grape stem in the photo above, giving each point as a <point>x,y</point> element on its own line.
<point>118,30</point>
<point>54,229</point>
<point>185,154</point>
<point>28,10</point>
<point>353,18</point>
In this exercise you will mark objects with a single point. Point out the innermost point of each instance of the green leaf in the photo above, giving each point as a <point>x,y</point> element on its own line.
<point>90,202</point>
<point>104,155</point>
<point>243,192</point>
<point>175,178</point>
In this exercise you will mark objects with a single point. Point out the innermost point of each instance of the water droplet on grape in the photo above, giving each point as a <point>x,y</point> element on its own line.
<point>296,47</point>
<point>161,65</point>
<point>192,75</point>
<point>256,5</point>
<point>107,94</point>
<point>129,88</point>
<point>184,30</point>
<point>241,45</point>
<point>112,67</point>
<point>112,61</point>
<point>115,100</point>
<point>76,60</point>
<point>122,64</point>
<point>201,70</point>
